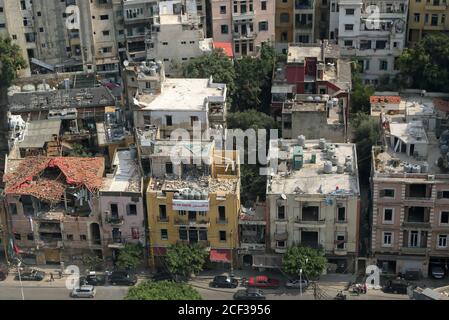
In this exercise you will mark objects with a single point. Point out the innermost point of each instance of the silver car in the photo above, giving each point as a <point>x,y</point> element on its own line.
<point>297,284</point>
<point>83,292</point>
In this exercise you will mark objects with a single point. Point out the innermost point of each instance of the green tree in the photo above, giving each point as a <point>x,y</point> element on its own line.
<point>426,65</point>
<point>11,61</point>
<point>93,262</point>
<point>186,260</point>
<point>360,96</point>
<point>130,256</point>
<point>366,134</point>
<point>163,290</point>
<point>250,119</point>
<point>217,65</point>
<point>311,261</point>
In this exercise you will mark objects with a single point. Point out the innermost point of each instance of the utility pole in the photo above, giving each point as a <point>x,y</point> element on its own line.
<point>232,255</point>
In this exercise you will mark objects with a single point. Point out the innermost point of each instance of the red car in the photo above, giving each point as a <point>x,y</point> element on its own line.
<point>263,282</point>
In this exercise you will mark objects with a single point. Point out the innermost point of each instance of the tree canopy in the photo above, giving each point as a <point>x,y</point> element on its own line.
<point>426,65</point>
<point>250,119</point>
<point>163,290</point>
<point>360,96</point>
<point>11,61</point>
<point>311,261</point>
<point>130,256</point>
<point>186,260</point>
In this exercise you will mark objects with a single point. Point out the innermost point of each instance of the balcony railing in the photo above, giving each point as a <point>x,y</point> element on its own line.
<point>414,250</point>
<point>280,236</point>
<point>419,225</point>
<point>163,219</point>
<point>115,220</point>
<point>188,222</point>
<point>222,220</point>
<point>304,25</point>
<point>299,220</point>
<point>204,243</point>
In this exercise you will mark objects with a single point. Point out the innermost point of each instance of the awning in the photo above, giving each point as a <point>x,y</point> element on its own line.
<point>220,255</point>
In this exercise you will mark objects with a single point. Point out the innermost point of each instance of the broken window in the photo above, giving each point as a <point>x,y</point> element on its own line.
<point>162,212</point>
<point>310,213</point>
<point>418,191</point>
<point>131,210</point>
<point>169,168</point>
<point>444,218</point>
<point>417,214</point>
<point>281,212</point>
<point>114,210</point>
<point>341,216</point>
<point>341,241</point>
<point>27,203</point>
<point>309,238</point>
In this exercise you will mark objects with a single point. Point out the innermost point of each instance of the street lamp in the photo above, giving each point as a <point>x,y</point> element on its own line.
<point>20,279</point>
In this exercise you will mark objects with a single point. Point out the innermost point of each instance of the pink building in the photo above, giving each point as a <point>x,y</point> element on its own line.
<point>245,23</point>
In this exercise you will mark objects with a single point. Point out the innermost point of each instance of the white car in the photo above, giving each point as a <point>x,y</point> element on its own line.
<point>297,284</point>
<point>83,292</point>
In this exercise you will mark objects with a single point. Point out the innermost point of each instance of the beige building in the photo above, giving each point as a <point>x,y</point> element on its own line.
<point>313,199</point>
<point>426,17</point>
<point>244,23</point>
<point>410,183</point>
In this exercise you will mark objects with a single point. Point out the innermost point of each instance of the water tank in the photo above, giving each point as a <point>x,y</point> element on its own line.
<point>335,101</point>
<point>322,144</point>
<point>329,105</point>
<point>416,169</point>
<point>302,140</point>
<point>28,88</point>
<point>317,99</point>
<point>43,87</point>
<point>425,167</point>
<point>197,196</point>
<point>309,98</point>
<point>340,168</point>
<point>177,195</point>
<point>133,153</point>
<point>204,195</point>
<point>444,149</point>
<point>334,160</point>
<point>330,152</point>
<point>13,90</point>
<point>328,167</point>
<point>348,159</point>
<point>349,167</point>
<point>190,195</point>
<point>408,168</point>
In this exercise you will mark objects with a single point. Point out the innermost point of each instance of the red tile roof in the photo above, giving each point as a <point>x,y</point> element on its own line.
<point>29,177</point>
<point>226,46</point>
<point>385,99</point>
<point>441,104</point>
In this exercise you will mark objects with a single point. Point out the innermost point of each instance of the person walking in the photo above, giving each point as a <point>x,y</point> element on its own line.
<point>51,277</point>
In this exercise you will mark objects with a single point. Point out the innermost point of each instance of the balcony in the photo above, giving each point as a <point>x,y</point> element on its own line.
<point>300,223</point>
<point>416,225</point>
<point>340,251</point>
<point>248,36</point>
<point>204,243</point>
<point>163,219</point>
<point>222,221</point>
<point>237,16</point>
<point>50,228</point>
<point>280,249</point>
<point>436,6</point>
<point>302,26</point>
<point>414,250</point>
<point>184,222</point>
<point>280,236</point>
<point>115,221</point>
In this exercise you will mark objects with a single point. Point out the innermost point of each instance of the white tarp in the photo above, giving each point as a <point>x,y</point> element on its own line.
<point>191,205</point>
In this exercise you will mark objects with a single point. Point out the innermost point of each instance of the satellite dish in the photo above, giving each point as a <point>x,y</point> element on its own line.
<point>126,63</point>
<point>283,196</point>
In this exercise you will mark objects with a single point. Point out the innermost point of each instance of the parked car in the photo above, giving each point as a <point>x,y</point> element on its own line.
<point>3,274</point>
<point>412,274</point>
<point>396,286</point>
<point>263,282</point>
<point>94,279</point>
<point>224,282</point>
<point>297,284</point>
<point>437,271</point>
<point>83,292</point>
<point>163,276</point>
<point>33,275</point>
<point>249,294</point>
<point>123,278</point>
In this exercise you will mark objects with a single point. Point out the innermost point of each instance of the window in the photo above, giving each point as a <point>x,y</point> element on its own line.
<point>83,237</point>
<point>263,5</point>
<point>222,9</point>
<point>444,217</point>
<point>164,234</point>
<point>162,212</point>
<point>434,20</point>
<point>106,32</point>
<point>341,214</point>
<point>426,18</point>
<point>383,65</point>
<point>387,239</point>
<point>14,37</point>
<point>114,209</point>
<point>193,120</point>
<point>280,244</point>
<point>222,235</point>
<point>443,194</point>
<point>17,236</point>
<point>104,17</point>
<point>348,43</point>
<point>443,18</point>
<point>349,27</point>
<point>131,210</point>
<point>237,48</point>
<point>263,26</point>
<point>224,29</point>
<point>341,241</point>
<point>169,168</point>
<point>381,44</point>
<point>183,234</point>
<point>12,208</point>
<point>416,17</point>
<point>388,216</point>
<point>30,236</point>
<point>222,213</point>
<point>70,237</point>
<point>387,193</point>
<point>349,12</point>
<point>442,240</point>
<point>165,43</point>
<point>168,120</point>
<point>284,17</point>
<point>281,213</point>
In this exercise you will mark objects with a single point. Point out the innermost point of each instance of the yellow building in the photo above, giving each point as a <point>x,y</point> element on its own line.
<point>284,23</point>
<point>195,204</point>
<point>427,16</point>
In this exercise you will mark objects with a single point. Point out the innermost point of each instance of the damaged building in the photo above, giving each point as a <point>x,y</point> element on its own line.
<point>52,207</point>
<point>313,199</point>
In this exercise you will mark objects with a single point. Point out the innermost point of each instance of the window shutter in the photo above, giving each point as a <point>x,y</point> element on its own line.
<point>382,193</point>
<point>440,194</point>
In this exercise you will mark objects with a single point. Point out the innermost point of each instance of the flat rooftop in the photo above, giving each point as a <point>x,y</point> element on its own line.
<point>183,95</point>
<point>37,133</point>
<point>227,185</point>
<point>126,177</point>
<point>311,178</point>
<point>167,148</point>
<point>297,52</point>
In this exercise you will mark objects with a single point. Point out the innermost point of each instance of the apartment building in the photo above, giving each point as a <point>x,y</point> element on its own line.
<point>284,24</point>
<point>426,17</point>
<point>409,185</point>
<point>52,207</point>
<point>244,23</point>
<point>172,103</point>
<point>175,39</point>
<point>121,203</point>
<point>305,21</point>
<point>313,199</point>
<point>313,81</point>
<point>376,42</point>
<point>197,201</point>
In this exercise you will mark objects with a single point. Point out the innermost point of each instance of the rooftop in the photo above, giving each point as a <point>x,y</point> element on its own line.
<point>126,176</point>
<point>221,185</point>
<point>60,99</point>
<point>37,133</point>
<point>298,52</point>
<point>226,46</point>
<point>183,95</point>
<point>311,179</point>
<point>167,148</point>
<point>316,103</point>
<point>36,176</point>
